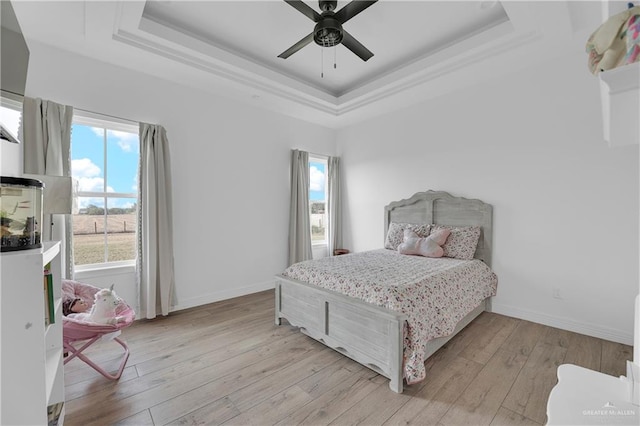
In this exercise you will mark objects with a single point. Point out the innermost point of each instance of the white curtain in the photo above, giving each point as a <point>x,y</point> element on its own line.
<point>299,221</point>
<point>334,202</point>
<point>47,151</point>
<point>155,271</point>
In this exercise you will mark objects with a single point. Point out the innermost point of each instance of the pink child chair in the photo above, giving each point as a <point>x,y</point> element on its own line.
<point>76,331</point>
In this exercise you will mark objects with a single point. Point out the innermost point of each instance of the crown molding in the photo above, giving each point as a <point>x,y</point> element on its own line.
<point>173,44</point>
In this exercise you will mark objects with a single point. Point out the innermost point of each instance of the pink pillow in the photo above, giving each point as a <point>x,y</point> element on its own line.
<point>430,246</point>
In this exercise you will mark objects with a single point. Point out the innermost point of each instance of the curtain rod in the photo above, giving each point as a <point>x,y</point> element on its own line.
<point>21,98</point>
<point>313,154</point>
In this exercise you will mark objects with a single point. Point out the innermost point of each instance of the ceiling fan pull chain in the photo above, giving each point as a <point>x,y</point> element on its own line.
<point>321,62</point>
<point>334,57</point>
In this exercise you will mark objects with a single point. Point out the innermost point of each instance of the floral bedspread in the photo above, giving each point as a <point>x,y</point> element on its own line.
<point>434,293</point>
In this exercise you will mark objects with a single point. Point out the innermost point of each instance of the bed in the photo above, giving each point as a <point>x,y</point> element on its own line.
<point>366,313</point>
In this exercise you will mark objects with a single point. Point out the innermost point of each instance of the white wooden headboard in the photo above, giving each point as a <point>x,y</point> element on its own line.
<point>442,208</point>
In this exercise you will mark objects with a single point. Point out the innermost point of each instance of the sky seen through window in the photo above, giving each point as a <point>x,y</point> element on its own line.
<point>88,165</point>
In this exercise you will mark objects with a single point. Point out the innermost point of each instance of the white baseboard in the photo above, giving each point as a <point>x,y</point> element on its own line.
<point>222,295</point>
<point>588,329</point>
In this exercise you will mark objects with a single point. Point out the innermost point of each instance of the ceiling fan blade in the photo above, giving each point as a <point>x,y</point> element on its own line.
<point>299,45</point>
<point>355,46</point>
<point>352,9</point>
<point>302,7</point>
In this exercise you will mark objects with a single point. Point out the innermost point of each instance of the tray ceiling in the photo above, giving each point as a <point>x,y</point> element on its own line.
<point>398,33</point>
<point>422,49</point>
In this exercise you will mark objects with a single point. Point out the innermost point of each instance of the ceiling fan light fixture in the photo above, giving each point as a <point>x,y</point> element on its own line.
<point>328,32</point>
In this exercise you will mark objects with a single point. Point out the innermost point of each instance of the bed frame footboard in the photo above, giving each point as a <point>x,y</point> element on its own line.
<point>368,334</point>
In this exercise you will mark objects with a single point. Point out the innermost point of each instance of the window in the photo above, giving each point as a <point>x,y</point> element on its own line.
<point>104,160</point>
<point>318,199</point>
<point>11,116</point>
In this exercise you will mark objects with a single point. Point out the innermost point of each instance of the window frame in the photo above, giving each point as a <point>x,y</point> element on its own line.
<point>85,118</point>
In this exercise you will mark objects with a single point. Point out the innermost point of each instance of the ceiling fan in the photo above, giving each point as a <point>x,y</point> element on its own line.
<point>328,31</point>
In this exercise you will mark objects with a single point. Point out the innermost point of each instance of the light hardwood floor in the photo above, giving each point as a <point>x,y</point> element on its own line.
<point>227,363</point>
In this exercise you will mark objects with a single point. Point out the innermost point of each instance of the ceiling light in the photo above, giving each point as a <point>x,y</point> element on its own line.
<point>328,32</point>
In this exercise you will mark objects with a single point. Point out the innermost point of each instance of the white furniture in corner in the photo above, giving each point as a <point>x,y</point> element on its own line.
<point>587,397</point>
<point>620,93</point>
<point>31,359</point>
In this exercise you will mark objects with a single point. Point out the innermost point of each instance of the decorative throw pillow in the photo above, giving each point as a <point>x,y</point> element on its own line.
<point>395,233</point>
<point>430,246</point>
<point>462,242</point>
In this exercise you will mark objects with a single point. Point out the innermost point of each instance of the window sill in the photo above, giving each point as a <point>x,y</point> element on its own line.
<point>110,269</point>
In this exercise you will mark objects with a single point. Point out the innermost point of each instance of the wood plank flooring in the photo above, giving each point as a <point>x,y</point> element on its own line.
<point>227,363</point>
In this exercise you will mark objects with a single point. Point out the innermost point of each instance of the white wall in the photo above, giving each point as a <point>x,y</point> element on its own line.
<point>15,54</point>
<point>531,144</point>
<point>565,205</point>
<point>230,165</point>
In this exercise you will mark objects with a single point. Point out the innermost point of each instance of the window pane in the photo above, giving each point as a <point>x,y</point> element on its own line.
<point>87,157</point>
<point>317,200</point>
<point>121,229</point>
<point>318,220</point>
<point>122,162</point>
<point>10,119</point>
<point>105,161</point>
<point>88,231</point>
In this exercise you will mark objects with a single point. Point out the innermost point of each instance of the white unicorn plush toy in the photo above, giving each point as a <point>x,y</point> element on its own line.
<point>103,310</point>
